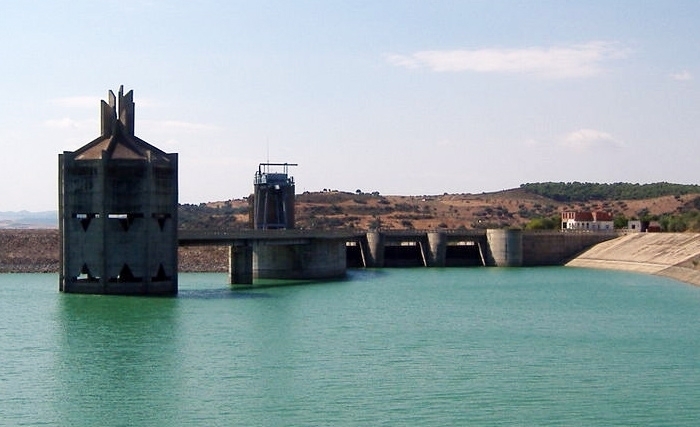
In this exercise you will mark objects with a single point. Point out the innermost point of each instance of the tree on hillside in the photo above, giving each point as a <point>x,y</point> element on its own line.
<point>620,221</point>
<point>543,223</point>
<point>587,191</point>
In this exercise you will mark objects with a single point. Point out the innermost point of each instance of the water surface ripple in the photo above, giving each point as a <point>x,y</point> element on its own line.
<point>439,347</point>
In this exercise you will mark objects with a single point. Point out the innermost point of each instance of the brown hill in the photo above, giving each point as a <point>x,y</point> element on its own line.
<point>508,208</point>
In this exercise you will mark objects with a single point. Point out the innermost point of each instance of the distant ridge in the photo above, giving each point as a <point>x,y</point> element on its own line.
<point>587,191</point>
<point>676,206</point>
<point>29,220</point>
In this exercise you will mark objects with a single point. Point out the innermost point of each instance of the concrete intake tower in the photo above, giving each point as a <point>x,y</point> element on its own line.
<point>118,198</point>
<point>273,197</point>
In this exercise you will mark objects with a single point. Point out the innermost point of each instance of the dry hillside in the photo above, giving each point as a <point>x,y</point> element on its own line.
<point>510,208</point>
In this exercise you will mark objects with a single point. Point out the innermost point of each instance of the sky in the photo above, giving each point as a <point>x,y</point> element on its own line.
<point>401,97</point>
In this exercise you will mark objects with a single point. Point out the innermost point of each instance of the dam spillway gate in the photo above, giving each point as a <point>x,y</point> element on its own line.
<point>413,248</point>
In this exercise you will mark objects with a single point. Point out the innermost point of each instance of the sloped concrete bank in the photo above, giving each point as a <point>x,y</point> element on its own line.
<point>674,255</point>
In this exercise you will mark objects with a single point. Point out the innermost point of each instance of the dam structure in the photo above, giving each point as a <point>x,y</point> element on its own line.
<point>467,248</point>
<point>118,199</point>
<point>326,254</point>
<point>118,226</point>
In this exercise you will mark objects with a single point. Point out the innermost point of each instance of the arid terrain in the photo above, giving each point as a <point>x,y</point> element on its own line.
<point>509,208</point>
<point>37,250</point>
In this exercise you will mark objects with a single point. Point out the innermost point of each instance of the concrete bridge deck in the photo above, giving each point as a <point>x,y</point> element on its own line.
<point>245,237</point>
<point>214,237</point>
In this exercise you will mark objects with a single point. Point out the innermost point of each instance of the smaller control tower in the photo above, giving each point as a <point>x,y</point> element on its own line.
<point>273,197</point>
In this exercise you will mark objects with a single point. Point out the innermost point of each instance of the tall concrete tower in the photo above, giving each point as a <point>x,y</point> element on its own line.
<point>118,198</point>
<point>273,197</point>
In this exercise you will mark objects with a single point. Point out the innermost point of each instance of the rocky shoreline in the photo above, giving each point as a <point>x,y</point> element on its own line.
<point>37,251</point>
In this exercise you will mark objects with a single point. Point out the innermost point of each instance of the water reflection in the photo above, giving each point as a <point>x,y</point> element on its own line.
<point>208,294</point>
<point>117,359</point>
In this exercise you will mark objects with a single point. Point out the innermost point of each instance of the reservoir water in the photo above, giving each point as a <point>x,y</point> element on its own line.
<point>432,347</point>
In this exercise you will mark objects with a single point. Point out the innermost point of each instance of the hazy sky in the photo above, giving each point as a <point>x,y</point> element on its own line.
<point>400,97</point>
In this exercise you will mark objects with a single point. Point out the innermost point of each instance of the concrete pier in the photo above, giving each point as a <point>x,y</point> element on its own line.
<point>437,243</point>
<point>301,260</point>
<point>505,247</point>
<point>240,261</point>
<point>278,254</point>
<point>375,244</point>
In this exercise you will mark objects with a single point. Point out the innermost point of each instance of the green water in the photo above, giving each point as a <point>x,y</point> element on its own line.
<point>479,346</point>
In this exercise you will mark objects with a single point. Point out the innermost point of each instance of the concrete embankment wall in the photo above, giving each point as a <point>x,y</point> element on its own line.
<point>556,248</point>
<point>674,255</point>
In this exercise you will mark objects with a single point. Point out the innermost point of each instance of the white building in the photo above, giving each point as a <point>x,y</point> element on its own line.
<point>587,221</point>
